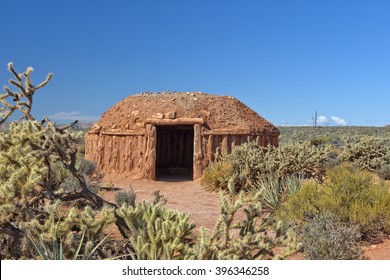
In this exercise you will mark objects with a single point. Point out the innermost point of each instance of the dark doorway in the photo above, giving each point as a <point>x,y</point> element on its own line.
<point>174,152</point>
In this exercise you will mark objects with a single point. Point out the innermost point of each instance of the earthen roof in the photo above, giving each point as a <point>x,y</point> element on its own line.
<point>218,112</point>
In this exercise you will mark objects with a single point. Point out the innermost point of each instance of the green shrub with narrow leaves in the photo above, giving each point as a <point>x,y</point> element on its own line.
<point>348,193</point>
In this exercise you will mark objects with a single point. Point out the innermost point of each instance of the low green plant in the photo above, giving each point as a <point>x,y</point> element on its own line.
<point>384,171</point>
<point>324,237</point>
<point>322,140</point>
<point>126,197</point>
<point>217,175</point>
<point>159,198</point>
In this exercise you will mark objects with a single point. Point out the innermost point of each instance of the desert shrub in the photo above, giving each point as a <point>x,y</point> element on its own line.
<point>159,198</point>
<point>157,233</point>
<point>333,159</point>
<point>217,175</point>
<point>62,177</point>
<point>126,197</point>
<point>384,172</point>
<point>368,152</point>
<point>321,141</point>
<point>348,193</point>
<point>324,237</point>
<point>85,166</point>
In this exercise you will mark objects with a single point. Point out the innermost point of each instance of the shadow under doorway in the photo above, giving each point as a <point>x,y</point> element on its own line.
<point>174,152</point>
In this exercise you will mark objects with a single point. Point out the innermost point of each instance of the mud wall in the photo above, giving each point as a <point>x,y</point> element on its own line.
<point>121,154</point>
<point>134,154</point>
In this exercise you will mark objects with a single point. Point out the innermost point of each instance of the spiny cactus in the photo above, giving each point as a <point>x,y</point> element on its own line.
<point>157,233</point>
<point>252,162</point>
<point>22,99</point>
<point>368,152</point>
<point>248,238</point>
<point>67,226</point>
<point>29,150</point>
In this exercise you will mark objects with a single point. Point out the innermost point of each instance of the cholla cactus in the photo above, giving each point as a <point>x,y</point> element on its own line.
<point>368,152</point>
<point>22,99</point>
<point>252,162</point>
<point>67,227</point>
<point>248,238</point>
<point>157,233</point>
<point>28,151</point>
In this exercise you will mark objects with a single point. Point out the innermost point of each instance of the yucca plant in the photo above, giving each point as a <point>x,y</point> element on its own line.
<point>57,252</point>
<point>275,190</point>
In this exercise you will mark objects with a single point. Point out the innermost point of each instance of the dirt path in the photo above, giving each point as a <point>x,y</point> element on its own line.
<point>191,197</point>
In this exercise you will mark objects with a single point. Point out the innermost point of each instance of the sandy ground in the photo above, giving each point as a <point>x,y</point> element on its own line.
<point>203,205</point>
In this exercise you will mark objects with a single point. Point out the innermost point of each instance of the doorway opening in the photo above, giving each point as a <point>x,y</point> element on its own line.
<point>174,152</point>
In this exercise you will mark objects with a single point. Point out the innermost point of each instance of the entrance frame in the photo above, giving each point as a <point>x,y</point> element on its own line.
<point>151,142</point>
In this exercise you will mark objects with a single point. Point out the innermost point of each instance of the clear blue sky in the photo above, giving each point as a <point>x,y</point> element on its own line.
<point>284,59</point>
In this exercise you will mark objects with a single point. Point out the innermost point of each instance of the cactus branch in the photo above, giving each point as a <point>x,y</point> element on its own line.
<point>23,99</point>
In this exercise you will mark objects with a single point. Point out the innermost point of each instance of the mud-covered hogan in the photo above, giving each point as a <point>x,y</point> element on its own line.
<point>150,135</point>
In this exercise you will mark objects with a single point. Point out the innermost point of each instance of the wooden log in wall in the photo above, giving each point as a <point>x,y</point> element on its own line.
<point>197,159</point>
<point>149,170</point>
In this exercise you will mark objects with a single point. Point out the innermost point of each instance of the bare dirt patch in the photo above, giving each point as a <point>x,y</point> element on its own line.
<point>183,196</point>
<point>203,205</point>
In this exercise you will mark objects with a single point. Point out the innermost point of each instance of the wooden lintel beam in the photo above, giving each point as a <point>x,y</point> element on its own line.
<point>175,121</point>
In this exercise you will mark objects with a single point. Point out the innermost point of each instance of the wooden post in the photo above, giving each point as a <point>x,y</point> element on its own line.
<point>197,152</point>
<point>210,151</point>
<point>225,145</point>
<point>150,155</point>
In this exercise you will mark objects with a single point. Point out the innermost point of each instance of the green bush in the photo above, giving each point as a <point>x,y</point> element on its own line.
<point>217,175</point>
<point>324,237</point>
<point>126,197</point>
<point>384,172</point>
<point>321,141</point>
<point>350,194</point>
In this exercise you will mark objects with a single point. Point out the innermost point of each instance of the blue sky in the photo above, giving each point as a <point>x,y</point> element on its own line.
<point>284,59</point>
